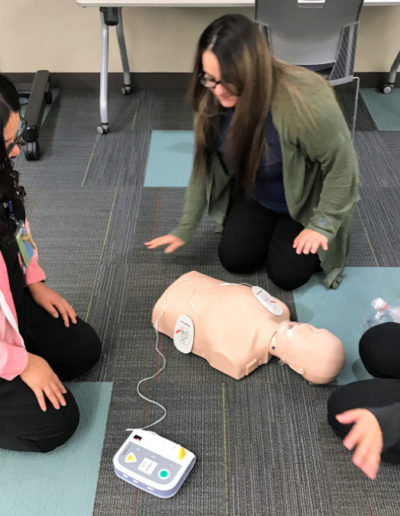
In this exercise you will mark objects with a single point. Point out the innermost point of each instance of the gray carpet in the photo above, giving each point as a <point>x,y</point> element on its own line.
<point>263,446</point>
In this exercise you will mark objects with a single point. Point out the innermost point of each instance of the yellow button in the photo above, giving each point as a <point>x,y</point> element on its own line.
<point>130,458</point>
<point>181,453</point>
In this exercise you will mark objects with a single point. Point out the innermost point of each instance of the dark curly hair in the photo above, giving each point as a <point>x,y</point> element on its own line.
<point>10,189</point>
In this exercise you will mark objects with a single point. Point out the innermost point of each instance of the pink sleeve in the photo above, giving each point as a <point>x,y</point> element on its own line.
<point>13,360</point>
<point>34,273</point>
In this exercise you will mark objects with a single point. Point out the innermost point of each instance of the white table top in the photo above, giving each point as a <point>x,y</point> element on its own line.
<point>197,3</point>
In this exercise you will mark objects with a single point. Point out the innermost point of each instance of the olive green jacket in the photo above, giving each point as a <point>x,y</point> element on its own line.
<point>320,175</point>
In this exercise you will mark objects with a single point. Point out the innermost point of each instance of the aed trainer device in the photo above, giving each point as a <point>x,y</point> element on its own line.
<point>152,463</point>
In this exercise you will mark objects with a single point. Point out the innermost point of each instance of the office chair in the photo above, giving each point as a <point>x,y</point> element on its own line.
<point>389,85</point>
<point>315,34</point>
<point>38,94</point>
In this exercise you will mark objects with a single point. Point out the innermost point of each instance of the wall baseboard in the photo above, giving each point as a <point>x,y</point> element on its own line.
<point>90,81</point>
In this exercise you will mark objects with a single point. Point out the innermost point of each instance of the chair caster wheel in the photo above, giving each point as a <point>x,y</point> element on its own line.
<point>32,151</point>
<point>387,88</point>
<point>102,129</point>
<point>126,90</point>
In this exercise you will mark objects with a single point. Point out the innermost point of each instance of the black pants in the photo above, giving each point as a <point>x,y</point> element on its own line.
<point>380,353</point>
<point>254,237</point>
<point>70,352</point>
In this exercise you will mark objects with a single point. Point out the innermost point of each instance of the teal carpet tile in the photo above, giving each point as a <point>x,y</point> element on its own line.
<point>384,109</point>
<point>62,482</point>
<point>342,310</point>
<point>170,158</point>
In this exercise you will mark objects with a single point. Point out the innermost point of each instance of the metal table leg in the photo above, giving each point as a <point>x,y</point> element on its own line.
<point>126,87</point>
<point>103,127</point>
<point>111,16</point>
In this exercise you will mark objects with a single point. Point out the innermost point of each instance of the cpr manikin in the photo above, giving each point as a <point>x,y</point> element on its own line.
<point>236,328</point>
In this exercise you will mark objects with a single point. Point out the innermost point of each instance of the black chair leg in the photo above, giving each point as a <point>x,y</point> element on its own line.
<point>38,95</point>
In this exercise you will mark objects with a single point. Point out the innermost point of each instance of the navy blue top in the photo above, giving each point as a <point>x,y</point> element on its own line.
<point>268,186</point>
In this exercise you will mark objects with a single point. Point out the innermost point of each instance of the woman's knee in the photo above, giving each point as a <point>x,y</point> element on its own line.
<point>85,351</point>
<point>337,403</point>
<point>347,397</point>
<point>238,262</point>
<point>92,344</point>
<point>379,350</point>
<point>37,431</point>
<point>62,427</point>
<point>286,279</point>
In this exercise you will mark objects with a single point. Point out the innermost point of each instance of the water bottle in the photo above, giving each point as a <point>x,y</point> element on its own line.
<point>381,313</point>
<point>395,313</point>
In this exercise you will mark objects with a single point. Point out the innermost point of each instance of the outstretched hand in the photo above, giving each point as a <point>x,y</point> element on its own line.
<point>308,241</point>
<point>52,302</point>
<point>366,436</point>
<point>172,241</point>
<point>43,381</point>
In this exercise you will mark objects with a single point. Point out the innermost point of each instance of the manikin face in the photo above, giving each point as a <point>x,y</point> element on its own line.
<point>10,133</point>
<point>304,336</point>
<point>315,353</point>
<point>212,70</point>
<point>292,330</point>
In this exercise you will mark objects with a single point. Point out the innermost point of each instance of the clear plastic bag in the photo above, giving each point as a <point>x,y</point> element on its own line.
<point>381,313</point>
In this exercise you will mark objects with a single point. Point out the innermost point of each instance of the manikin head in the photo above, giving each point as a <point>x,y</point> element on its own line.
<point>315,353</point>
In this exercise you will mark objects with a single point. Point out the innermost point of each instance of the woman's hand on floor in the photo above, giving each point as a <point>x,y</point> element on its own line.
<point>52,302</point>
<point>308,241</point>
<point>366,436</point>
<point>172,241</point>
<point>43,381</point>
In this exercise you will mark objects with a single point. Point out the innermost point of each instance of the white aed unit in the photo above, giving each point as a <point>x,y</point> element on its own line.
<point>152,463</point>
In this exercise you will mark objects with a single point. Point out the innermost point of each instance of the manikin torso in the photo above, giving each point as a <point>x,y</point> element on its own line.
<point>235,333</point>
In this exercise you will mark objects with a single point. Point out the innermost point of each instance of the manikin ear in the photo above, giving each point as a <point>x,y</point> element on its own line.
<point>299,370</point>
<point>310,377</point>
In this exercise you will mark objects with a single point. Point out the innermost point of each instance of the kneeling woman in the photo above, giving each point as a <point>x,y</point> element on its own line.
<point>367,413</point>
<point>42,342</point>
<point>274,161</point>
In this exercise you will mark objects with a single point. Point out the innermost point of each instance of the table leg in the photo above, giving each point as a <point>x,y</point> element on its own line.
<point>126,87</point>
<point>103,127</point>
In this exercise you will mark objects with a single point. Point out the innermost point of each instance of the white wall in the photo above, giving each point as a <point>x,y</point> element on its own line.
<point>62,37</point>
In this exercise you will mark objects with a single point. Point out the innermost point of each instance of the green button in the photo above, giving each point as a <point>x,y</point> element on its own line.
<point>164,473</point>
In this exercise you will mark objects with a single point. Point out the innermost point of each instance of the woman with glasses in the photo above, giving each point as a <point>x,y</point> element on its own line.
<point>42,341</point>
<point>274,161</point>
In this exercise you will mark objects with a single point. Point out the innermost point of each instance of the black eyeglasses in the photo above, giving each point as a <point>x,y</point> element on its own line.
<point>208,82</point>
<point>18,140</point>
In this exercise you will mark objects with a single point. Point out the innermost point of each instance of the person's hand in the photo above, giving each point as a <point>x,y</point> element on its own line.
<point>52,302</point>
<point>308,241</point>
<point>366,436</point>
<point>43,381</point>
<point>173,243</point>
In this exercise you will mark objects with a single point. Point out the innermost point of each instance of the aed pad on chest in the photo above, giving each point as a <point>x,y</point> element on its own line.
<point>184,334</point>
<point>267,301</point>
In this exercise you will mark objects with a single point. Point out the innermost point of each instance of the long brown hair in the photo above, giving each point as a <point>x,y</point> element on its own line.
<point>246,65</point>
